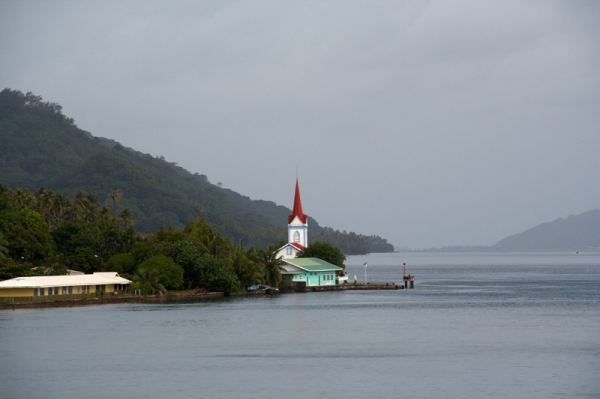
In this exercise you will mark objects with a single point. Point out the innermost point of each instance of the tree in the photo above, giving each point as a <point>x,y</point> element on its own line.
<point>213,242</point>
<point>124,264</point>
<point>25,198</point>
<point>92,208</point>
<point>247,270</point>
<point>141,251</point>
<point>3,244</point>
<point>11,269</point>
<point>106,214</point>
<point>46,200</point>
<point>217,273</point>
<point>149,280</point>
<point>109,240</point>
<point>186,254</point>
<point>55,267</point>
<point>4,189</point>
<point>272,265</point>
<point>115,197</point>
<point>170,273</point>
<point>126,218</point>
<point>77,211</point>
<point>59,207</point>
<point>170,235</point>
<point>28,237</point>
<point>324,251</point>
<point>85,260</point>
<point>216,246</point>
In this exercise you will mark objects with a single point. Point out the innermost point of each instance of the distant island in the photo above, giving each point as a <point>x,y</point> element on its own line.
<point>575,233</point>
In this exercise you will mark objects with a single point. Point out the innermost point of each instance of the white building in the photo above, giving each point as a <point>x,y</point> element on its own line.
<point>63,285</point>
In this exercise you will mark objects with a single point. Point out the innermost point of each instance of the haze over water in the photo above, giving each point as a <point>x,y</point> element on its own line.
<point>477,325</point>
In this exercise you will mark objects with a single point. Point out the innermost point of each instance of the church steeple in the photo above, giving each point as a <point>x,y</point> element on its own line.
<point>297,229</point>
<point>297,211</point>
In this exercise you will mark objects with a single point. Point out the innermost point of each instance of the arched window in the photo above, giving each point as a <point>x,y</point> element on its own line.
<point>296,236</point>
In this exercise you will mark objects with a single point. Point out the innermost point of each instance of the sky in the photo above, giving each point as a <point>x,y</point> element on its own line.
<point>429,123</point>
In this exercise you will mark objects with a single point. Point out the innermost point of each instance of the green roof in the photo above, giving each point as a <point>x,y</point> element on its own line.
<point>312,264</point>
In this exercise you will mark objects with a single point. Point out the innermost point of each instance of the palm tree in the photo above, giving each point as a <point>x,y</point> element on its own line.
<point>93,207</point>
<point>106,214</point>
<point>80,205</point>
<point>272,264</point>
<point>150,279</point>
<point>46,200</point>
<point>3,244</point>
<point>248,271</point>
<point>90,213</point>
<point>215,245</point>
<point>86,206</point>
<point>24,198</point>
<point>60,207</point>
<point>126,218</point>
<point>92,199</point>
<point>115,197</point>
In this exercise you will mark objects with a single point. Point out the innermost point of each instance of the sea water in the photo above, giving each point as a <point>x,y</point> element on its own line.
<point>475,326</point>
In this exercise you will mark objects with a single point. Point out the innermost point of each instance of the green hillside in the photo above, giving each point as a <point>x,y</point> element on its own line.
<point>41,147</point>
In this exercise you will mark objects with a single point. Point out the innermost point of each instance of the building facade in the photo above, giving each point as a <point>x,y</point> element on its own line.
<point>41,286</point>
<point>309,272</point>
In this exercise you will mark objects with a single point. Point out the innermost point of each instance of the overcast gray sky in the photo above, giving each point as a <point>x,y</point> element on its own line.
<point>429,123</point>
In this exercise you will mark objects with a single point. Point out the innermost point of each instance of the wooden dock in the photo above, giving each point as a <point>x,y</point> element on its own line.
<point>344,287</point>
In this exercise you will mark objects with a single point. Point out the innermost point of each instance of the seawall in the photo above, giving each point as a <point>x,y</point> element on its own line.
<point>182,296</point>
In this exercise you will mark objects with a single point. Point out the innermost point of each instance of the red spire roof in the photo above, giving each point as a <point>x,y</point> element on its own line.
<point>297,211</point>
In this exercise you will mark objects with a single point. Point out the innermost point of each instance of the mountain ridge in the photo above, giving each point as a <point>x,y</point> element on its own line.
<point>575,233</point>
<point>43,148</point>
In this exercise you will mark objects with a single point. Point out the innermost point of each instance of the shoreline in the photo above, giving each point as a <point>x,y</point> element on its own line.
<point>184,296</point>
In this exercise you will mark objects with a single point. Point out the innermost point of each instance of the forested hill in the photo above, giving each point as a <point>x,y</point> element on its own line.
<point>575,233</point>
<point>41,147</point>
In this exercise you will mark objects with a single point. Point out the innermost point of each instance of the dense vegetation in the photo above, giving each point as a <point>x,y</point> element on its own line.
<point>324,251</point>
<point>46,233</point>
<point>43,148</point>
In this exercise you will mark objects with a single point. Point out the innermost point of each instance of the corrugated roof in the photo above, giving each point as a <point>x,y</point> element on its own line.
<point>291,269</point>
<point>312,264</point>
<point>64,281</point>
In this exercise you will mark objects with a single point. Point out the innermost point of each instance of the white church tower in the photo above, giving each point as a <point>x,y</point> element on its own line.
<point>297,229</point>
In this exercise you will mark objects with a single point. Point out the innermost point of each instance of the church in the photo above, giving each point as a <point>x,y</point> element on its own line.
<point>303,272</point>
<point>297,229</point>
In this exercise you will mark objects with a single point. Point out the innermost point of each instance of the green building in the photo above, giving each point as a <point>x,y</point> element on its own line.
<point>309,272</point>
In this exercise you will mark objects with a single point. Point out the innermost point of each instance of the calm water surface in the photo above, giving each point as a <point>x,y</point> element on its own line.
<point>493,325</point>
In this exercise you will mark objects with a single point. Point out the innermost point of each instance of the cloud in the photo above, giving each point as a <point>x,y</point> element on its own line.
<point>430,123</point>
